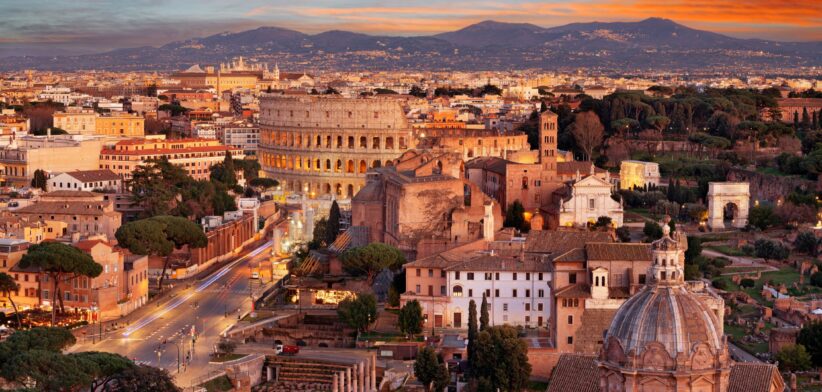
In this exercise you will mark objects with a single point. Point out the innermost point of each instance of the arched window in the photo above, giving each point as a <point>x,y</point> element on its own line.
<point>389,143</point>
<point>319,141</point>
<point>338,189</point>
<point>466,195</point>
<point>328,141</point>
<point>339,166</point>
<point>363,167</point>
<point>375,144</point>
<point>457,291</point>
<point>376,164</point>
<point>351,142</point>
<point>327,165</point>
<point>363,142</point>
<point>317,165</point>
<point>349,167</point>
<point>339,142</point>
<point>350,192</point>
<point>402,143</point>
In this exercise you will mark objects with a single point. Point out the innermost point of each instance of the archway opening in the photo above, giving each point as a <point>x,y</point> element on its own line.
<point>730,212</point>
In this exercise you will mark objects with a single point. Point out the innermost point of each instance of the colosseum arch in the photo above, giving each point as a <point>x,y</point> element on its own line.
<point>728,204</point>
<point>327,188</point>
<point>339,167</point>
<point>376,164</point>
<point>363,167</point>
<point>328,165</point>
<point>338,189</point>
<point>349,166</point>
<point>339,141</point>
<point>363,142</point>
<point>350,191</point>
<point>351,142</point>
<point>389,143</point>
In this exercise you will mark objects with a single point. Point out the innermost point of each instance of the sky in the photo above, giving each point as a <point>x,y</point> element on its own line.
<point>54,27</point>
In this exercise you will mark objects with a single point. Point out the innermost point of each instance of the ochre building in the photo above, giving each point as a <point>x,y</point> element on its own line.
<point>321,145</point>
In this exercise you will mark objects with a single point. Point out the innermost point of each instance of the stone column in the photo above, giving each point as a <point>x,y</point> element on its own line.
<point>334,383</point>
<point>361,367</point>
<point>354,372</point>
<point>341,377</point>
<point>374,385</point>
<point>348,380</point>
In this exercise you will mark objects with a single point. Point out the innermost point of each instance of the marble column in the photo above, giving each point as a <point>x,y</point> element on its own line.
<point>374,385</point>
<point>362,369</point>
<point>348,380</point>
<point>334,384</point>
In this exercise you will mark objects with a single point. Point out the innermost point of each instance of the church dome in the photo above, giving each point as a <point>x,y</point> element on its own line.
<point>668,315</point>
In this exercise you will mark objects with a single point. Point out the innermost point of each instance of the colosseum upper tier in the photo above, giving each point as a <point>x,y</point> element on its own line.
<point>322,144</point>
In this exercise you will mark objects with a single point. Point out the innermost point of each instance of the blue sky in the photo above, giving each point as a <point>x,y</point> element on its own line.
<point>57,27</point>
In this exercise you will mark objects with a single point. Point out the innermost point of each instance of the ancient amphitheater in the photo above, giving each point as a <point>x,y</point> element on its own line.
<point>323,144</point>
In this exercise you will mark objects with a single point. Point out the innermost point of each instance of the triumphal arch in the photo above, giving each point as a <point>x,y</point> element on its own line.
<point>728,204</point>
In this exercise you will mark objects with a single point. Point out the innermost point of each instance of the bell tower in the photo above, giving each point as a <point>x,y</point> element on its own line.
<point>548,140</point>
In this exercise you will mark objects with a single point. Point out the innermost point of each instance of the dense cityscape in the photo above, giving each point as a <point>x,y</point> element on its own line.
<point>269,209</point>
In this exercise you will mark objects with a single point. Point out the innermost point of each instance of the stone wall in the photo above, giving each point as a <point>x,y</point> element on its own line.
<point>770,187</point>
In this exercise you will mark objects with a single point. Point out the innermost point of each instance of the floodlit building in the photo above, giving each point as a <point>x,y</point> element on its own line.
<point>638,174</point>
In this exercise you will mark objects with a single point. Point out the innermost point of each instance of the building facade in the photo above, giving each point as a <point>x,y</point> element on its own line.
<point>86,180</point>
<point>52,154</point>
<point>638,174</point>
<point>196,156</point>
<point>120,124</point>
<point>324,145</point>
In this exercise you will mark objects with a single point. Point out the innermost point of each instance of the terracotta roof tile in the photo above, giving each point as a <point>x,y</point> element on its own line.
<point>575,372</point>
<point>753,377</point>
<point>589,340</point>
<point>618,251</point>
<point>94,175</point>
<point>574,291</point>
<point>558,242</point>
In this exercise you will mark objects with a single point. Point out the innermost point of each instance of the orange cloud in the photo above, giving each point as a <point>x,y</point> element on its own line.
<point>731,16</point>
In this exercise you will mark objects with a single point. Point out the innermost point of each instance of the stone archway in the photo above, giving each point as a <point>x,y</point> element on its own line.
<point>728,200</point>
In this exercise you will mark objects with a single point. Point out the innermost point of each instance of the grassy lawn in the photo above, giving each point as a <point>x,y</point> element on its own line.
<point>227,357</point>
<point>737,332</point>
<point>219,384</point>
<point>726,250</point>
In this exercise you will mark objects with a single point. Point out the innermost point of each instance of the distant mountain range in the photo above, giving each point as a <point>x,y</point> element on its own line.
<point>653,43</point>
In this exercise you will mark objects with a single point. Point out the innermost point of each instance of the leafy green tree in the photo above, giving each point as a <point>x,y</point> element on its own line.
<point>426,367</point>
<point>225,172</point>
<point>61,263</point>
<point>103,367</point>
<point>694,249</point>
<point>747,283</point>
<point>770,250</point>
<point>484,319</point>
<point>46,371</point>
<point>159,236</point>
<point>417,92</point>
<point>320,228</point>
<point>810,336</point>
<point>502,357</point>
<point>8,286</point>
<point>473,332</point>
<point>39,180</point>
<point>652,231</point>
<point>263,182</point>
<point>603,222</point>
<point>794,358</point>
<point>358,313</point>
<point>442,378</point>
<point>624,234</point>
<point>332,229</point>
<point>371,259</point>
<point>806,242</point>
<point>145,378</point>
<point>763,217</point>
<point>515,216</point>
<point>410,318</point>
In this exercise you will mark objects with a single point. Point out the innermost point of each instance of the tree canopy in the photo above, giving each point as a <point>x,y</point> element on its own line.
<point>502,358</point>
<point>410,318</point>
<point>371,259</point>
<point>61,262</point>
<point>358,313</point>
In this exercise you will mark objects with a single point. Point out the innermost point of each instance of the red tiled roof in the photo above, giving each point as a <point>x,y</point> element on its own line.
<point>170,150</point>
<point>754,377</point>
<point>618,251</point>
<point>575,372</point>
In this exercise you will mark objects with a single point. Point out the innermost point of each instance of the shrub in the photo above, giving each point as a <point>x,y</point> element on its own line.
<point>746,282</point>
<point>720,283</point>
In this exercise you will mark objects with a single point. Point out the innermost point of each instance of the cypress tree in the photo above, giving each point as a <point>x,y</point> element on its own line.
<point>796,120</point>
<point>806,118</point>
<point>472,332</point>
<point>670,191</point>
<point>332,228</point>
<point>484,314</point>
<point>815,121</point>
<point>39,180</point>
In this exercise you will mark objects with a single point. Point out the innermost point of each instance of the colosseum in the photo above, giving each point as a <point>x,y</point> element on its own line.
<point>322,144</point>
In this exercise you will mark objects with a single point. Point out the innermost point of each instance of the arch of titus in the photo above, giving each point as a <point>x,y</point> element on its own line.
<point>720,194</point>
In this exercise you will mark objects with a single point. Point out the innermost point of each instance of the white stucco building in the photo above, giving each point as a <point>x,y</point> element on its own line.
<point>638,174</point>
<point>590,198</point>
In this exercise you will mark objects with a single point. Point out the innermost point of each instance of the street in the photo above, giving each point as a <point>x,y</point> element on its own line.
<point>209,306</point>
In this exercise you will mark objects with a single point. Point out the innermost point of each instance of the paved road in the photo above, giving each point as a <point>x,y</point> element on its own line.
<point>210,306</point>
<point>741,355</point>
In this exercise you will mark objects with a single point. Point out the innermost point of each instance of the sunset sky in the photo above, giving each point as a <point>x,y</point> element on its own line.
<point>58,27</point>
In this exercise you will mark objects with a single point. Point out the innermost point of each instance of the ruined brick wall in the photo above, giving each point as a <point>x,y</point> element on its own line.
<point>770,187</point>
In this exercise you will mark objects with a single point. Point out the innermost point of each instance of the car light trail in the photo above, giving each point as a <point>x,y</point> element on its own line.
<point>179,301</point>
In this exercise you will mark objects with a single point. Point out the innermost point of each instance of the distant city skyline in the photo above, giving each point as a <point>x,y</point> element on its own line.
<point>42,27</point>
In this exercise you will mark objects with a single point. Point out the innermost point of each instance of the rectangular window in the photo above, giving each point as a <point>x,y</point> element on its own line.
<point>540,276</point>
<point>539,306</point>
<point>417,289</point>
<point>470,276</point>
<point>504,307</point>
<point>442,273</point>
<point>541,293</point>
<point>496,292</point>
<point>515,276</point>
<point>570,340</point>
<point>527,307</point>
<point>527,276</point>
<point>514,293</point>
<point>489,276</point>
<point>641,278</point>
<point>487,293</point>
<point>496,277</point>
<point>591,204</point>
<point>457,275</point>
<point>418,272</point>
<point>443,290</point>
<point>527,293</point>
<point>564,302</point>
<point>430,273</point>
<point>470,293</point>
<point>572,278</point>
<point>430,290</point>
